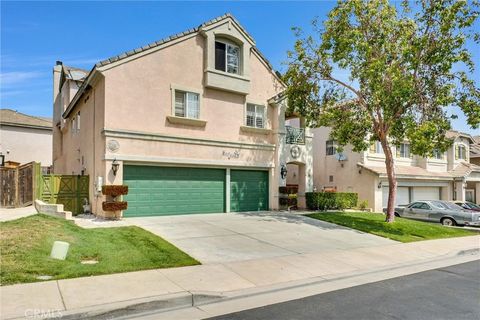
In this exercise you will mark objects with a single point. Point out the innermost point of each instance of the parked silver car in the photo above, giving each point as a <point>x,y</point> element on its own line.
<point>447,213</point>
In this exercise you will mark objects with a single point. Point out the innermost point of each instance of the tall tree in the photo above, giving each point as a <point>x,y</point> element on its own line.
<point>407,65</point>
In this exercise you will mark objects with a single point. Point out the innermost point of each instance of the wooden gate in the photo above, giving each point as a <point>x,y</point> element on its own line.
<point>69,190</point>
<point>17,185</point>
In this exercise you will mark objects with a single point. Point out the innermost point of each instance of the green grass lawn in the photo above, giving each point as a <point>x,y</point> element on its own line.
<point>403,230</point>
<point>25,246</point>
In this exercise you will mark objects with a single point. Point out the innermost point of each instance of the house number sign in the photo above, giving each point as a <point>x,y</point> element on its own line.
<point>231,155</point>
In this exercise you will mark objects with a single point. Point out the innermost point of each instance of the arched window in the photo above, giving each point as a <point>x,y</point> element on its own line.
<point>227,56</point>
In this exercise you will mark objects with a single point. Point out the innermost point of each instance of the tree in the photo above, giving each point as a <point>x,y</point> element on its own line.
<point>407,65</point>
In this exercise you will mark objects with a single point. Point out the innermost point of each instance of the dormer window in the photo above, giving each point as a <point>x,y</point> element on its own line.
<point>437,154</point>
<point>227,57</point>
<point>460,152</point>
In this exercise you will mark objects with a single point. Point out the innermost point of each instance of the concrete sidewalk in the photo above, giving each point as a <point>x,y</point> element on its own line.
<point>7,214</point>
<point>187,286</point>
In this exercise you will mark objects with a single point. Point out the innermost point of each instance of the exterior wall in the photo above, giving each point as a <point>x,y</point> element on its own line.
<point>22,144</point>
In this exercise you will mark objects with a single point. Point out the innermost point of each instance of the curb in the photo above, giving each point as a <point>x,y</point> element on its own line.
<point>131,307</point>
<point>183,300</point>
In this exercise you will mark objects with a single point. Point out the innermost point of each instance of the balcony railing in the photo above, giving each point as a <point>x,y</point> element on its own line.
<point>295,135</point>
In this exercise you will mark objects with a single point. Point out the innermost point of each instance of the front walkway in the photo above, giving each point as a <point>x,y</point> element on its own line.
<point>7,214</point>
<point>231,237</point>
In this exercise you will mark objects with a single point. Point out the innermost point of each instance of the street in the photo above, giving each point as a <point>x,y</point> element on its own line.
<point>446,293</point>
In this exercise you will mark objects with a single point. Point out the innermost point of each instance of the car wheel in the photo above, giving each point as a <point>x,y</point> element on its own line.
<point>448,222</point>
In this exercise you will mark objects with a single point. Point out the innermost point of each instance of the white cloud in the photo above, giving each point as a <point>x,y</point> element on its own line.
<point>17,77</point>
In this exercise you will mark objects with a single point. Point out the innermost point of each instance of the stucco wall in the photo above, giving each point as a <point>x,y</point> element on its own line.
<point>26,144</point>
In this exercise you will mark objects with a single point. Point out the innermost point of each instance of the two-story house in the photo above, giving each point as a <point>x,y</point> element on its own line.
<point>194,123</point>
<point>445,176</point>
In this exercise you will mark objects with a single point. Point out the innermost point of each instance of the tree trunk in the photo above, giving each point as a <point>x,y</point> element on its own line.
<point>392,182</point>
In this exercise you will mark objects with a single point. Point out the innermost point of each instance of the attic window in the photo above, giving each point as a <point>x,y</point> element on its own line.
<point>227,57</point>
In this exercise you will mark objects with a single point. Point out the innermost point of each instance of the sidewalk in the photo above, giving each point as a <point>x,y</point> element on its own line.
<point>187,286</point>
<point>7,214</point>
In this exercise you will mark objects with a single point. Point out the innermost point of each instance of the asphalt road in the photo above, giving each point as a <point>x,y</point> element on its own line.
<point>447,293</point>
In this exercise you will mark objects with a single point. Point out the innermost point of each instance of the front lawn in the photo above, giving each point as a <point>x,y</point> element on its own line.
<point>403,230</point>
<point>25,246</point>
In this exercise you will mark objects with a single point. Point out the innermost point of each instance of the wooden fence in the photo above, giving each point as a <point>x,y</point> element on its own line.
<point>69,190</point>
<point>17,185</point>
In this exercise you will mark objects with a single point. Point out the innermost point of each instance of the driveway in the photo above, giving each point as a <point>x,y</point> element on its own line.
<point>228,237</point>
<point>7,214</point>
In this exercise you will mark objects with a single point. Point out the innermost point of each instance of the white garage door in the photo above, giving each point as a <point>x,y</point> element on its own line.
<point>426,193</point>
<point>402,196</point>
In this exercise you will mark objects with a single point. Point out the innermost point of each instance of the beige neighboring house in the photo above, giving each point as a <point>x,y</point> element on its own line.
<point>25,138</point>
<point>475,151</point>
<point>194,123</point>
<point>446,176</point>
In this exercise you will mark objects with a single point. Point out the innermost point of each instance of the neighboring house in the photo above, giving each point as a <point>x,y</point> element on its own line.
<point>475,151</point>
<point>446,176</point>
<point>194,123</point>
<point>25,138</point>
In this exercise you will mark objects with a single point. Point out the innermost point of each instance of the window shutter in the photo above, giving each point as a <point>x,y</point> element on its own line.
<point>220,56</point>
<point>179,104</point>
<point>193,105</point>
<point>398,151</point>
<point>456,152</point>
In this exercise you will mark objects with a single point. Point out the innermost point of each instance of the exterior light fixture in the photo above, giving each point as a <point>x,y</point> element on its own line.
<point>115,166</point>
<point>283,171</point>
<point>379,185</point>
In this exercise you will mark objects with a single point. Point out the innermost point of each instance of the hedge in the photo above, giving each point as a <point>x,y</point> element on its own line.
<point>331,200</point>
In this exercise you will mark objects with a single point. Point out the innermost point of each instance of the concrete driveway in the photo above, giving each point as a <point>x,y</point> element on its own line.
<point>228,237</point>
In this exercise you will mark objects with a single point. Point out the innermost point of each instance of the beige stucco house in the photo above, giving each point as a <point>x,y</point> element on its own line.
<point>194,123</point>
<point>25,138</point>
<point>447,176</point>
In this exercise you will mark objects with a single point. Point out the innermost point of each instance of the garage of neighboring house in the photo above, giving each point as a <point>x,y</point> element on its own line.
<point>405,195</point>
<point>161,190</point>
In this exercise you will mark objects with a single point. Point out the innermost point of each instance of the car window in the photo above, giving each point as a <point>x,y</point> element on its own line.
<point>473,205</point>
<point>452,206</point>
<point>438,205</point>
<point>425,206</point>
<point>416,205</point>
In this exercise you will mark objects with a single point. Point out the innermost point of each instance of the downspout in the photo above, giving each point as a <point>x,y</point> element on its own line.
<point>94,147</point>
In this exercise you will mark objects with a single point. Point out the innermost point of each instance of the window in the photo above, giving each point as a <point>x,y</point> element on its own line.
<point>187,104</point>
<point>77,126</point>
<point>460,152</point>
<point>330,178</point>
<point>255,116</point>
<point>227,57</point>
<point>376,147</point>
<point>331,147</point>
<point>437,154</point>
<point>403,150</point>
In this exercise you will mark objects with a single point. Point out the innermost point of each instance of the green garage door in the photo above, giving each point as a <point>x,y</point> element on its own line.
<point>248,190</point>
<point>155,191</point>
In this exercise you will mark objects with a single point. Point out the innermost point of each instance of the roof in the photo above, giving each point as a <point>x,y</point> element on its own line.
<point>126,54</point>
<point>72,73</point>
<point>176,36</point>
<point>453,134</point>
<point>17,119</point>
<point>475,148</point>
<point>462,170</point>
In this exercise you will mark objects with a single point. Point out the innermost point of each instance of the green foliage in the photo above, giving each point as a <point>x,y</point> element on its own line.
<point>403,230</point>
<point>407,66</point>
<point>330,200</point>
<point>362,205</point>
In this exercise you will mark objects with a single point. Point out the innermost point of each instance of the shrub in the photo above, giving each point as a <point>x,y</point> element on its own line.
<point>114,190</point>
<point>331,200</point>
<point>362,205</point>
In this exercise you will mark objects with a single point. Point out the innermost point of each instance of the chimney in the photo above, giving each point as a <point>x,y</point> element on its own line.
<point>59,63</point>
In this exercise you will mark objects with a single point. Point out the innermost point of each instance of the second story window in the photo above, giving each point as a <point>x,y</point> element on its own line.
<point>403,150</point>
<point>331,147</point>
<point>376,147</point>
<point>227,57</point>
<point>460,152</point>
<point>255,116</point>
<point>187,104</point>
<point>437,154</point>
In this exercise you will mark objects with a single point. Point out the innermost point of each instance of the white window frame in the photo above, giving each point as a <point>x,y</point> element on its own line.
<point>333,145</point>
<point>174,88</point>
<point>461,146</point>
<point>377,147</point>
<point>239,63</point>
<point>399,153</point>
<point>436,153</point>
<point>77,123</point>
<point>264,115</point>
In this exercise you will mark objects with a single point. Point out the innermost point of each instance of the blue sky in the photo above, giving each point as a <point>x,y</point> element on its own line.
<point>36,34</point>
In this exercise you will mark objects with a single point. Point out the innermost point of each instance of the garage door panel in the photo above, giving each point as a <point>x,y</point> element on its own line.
<point>248,190</point>
<point>169,190</point>
<point>426,193</point>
